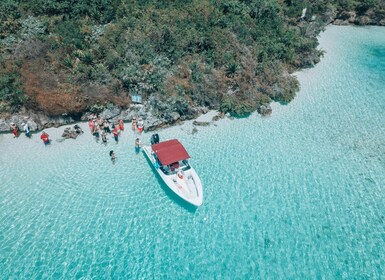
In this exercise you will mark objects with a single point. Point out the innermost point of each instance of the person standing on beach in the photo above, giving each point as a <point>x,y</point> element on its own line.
<point>133,123</point>
<point>26,130</point>
<point>15,130</point>
<point>116,134</point>
<point>45,137</point>
<point>104,138</point>
<point>121,125</point>
<point>96,132</point>
<point>140,125</point>
<point>106,127</point>
<point>91,125</point>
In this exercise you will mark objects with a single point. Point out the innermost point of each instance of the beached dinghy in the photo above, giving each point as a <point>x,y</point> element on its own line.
<point>170,160</point>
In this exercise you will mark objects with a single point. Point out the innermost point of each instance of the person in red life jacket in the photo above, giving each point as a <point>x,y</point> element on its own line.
<point>15,130</point>
<point>45,137</point>
<point>121,125</point>
<point>115,132</point>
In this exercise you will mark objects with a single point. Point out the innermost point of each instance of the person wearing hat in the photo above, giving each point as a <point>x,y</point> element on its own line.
<point>14,129</point>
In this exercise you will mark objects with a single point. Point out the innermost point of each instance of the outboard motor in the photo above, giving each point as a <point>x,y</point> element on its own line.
<point>154,139</point>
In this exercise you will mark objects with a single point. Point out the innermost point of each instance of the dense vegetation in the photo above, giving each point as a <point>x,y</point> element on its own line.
<point>67,56</point>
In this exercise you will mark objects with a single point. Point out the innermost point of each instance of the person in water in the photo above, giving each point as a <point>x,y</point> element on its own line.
<point>112,156</point>
<point>15,130</point>
<point>137,145</point>
<point>45,137</point>
<point>26,130</point>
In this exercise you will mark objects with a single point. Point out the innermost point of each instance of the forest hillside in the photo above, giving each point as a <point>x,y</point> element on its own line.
<point>67,57</point>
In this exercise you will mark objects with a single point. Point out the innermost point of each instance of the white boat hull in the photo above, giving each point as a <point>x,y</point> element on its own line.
<point>189,187</point>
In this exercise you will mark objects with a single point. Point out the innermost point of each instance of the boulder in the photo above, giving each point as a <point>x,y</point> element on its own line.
<point>69,133</point>
<point>72,132</point>
<point>340,22</point>
<point>171,117</point>
<point>4,125</point>
<point>110,113</point>
<point>135,110</point>
<point>364,20</point>
<point>221,115</point>
<point>32,125</point>
<point>152,122</point>
<point>86,116</point>
<point>265,109</point>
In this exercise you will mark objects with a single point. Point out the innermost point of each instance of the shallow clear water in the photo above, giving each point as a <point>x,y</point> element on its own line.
<point>300,194</point>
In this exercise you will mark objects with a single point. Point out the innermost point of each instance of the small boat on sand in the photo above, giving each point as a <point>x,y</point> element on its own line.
<point>170,160</point>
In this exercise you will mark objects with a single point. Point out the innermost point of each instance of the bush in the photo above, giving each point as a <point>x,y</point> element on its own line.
<point>195,50</point>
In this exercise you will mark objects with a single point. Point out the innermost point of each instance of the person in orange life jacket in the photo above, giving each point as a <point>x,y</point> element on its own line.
<point>115,132</point>
<point>121,125</point>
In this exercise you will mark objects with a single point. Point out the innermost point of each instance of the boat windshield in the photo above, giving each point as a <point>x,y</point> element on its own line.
<point>174,167</point>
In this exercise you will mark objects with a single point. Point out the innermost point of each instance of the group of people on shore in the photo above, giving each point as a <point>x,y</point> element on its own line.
<point>99,128</point>
<point>16,132</point>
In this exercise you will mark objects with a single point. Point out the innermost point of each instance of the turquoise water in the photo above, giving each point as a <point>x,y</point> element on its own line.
<point>297,195</point>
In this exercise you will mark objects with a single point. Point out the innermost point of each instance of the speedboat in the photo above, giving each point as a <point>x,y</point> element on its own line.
<point>170,160</point>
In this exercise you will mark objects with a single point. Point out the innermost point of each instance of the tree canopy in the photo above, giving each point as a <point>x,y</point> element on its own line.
<point>231,55</point>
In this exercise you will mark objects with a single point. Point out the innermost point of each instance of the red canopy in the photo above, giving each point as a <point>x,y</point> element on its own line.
<point>170,151</point>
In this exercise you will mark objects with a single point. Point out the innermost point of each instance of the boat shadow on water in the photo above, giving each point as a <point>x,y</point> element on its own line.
<point>173,197</point>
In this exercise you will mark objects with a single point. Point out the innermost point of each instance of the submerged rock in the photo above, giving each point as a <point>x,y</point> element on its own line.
<point>221,115</point>
<point>265,110</point>
<point>201,123</point>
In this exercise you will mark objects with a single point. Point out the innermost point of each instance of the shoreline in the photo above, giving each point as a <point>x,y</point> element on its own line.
<point>192,125</point>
